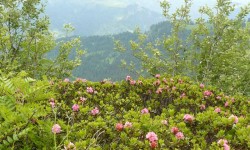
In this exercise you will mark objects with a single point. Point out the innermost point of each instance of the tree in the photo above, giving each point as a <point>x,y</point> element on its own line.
<point>214,49</point>
<point>25,40</point>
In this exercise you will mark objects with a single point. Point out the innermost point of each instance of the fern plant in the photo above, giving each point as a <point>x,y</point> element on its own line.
<point>23,112</point>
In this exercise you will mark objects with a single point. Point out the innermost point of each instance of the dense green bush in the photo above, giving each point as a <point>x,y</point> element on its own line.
<point>160,112</point>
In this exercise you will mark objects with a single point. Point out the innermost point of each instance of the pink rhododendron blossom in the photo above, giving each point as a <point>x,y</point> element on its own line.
<point>157,82</point>
<point>153,144</point>
<point>217,110</point>
<point>56,129</point>
<point>128,125</point>
<point>83,99</point>
<point>90,90</point>
<point>182,95</point>
<point>179,135</point>
<point>226,104</point>
<point>235,118</point>
<point>128,78</point>
<point>52,103</point>
<point>174,130</point>
<point>222,141</point>
<point>226,147</point>
<point>70,146</point>
<point>207,93</point>
<point>202,107</point>
<point>158,76</point>
<point>188,118</point>
<point>151,136</point>
<point>119,126</point>
<point>180,81</point>
<point>165,122</point>
<point>159,91</point>
<point>202,85</point>
<point>218,97</point>
<point>66,80</point>
<point>144,111</point>
<point>75,107</point>
<point>95,111</point>
<point>132,82</point>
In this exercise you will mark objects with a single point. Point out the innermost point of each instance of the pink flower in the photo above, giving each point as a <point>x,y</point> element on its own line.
<point>159,91</point>
<point>56,129</point>
<point>75,107</point>
<point>182,95</point>
<point>226,104</point>
<point>52,103</point>
<point>188,118</point>
<point>217,110</point>
<point>164,122</point>
<point>132,82</point>
<point>83,99</point>
<point>66,80</point>
<point>151,136</point>
<point>222,141</point>
<point>157,82</point>
<point>158,76</point>
<point>95,111</point>
<point>174,130</point>
<point>180,81</point>
<point>179,135</point>
<point>144,111</point>
<point>226,147</point>
<point>207,93</point>
<point>202,85</point>
<point>90,90</point>
<point>218,97</point>
<point>202,107</point>
<point>128,125</point>
<point>235,118</point>
<point>119,126</point>
<point>128,78</point>
<point>153,144</point>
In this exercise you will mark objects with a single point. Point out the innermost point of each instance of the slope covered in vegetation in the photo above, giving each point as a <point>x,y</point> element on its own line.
<point>160,112</point>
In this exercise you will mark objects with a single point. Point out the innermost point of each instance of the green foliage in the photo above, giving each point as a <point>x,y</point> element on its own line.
<point>22,102</point>
<point>29,108</point>
<point>166,98</point>
<point>214,49</point>
<point>25,40</point>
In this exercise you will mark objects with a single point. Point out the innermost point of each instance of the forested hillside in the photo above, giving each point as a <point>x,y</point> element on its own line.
<point>102,61</point>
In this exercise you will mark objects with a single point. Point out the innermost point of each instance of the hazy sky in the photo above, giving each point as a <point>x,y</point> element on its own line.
<point>151,4</point>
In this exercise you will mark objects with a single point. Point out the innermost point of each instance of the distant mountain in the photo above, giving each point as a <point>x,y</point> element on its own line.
<point>95,19</point>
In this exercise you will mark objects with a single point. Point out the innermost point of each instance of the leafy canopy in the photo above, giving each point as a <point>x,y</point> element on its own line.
<point>25,40</point>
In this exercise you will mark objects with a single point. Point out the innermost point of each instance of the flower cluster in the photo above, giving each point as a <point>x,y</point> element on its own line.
<point>152,137</point>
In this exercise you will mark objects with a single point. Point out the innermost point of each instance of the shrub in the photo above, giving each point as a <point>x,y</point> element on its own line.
<point>152,113</point>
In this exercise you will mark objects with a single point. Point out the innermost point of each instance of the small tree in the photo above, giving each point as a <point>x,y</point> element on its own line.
<point>214,50</point>
<point>25,40</point>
